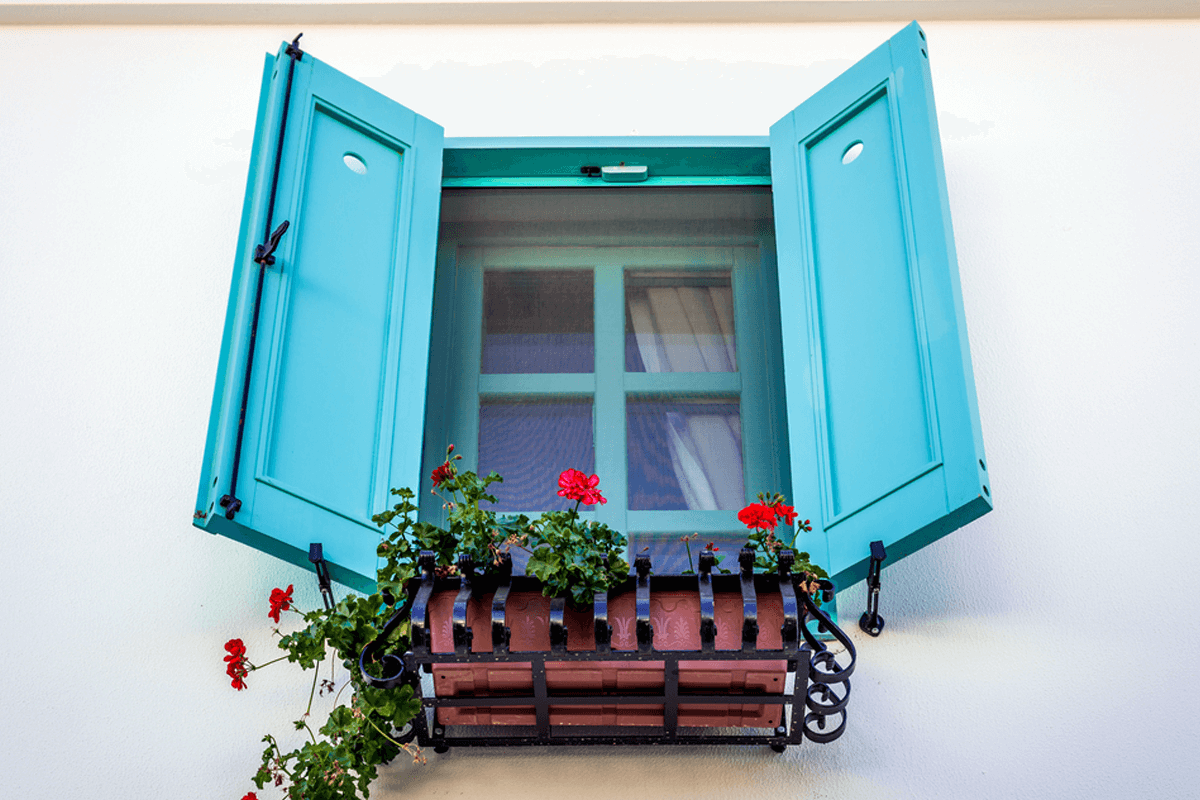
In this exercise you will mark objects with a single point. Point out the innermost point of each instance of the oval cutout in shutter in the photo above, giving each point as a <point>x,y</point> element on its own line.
<point>355,164</point>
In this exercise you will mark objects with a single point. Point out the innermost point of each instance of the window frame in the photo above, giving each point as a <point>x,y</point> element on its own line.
<point>534,163</point>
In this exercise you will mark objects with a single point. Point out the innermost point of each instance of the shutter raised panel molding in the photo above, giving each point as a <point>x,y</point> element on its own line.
<point>882,417</point>
<point>335,412</point>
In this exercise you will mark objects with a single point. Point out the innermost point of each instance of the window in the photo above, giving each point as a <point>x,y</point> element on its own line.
<point>631,332</point>
<point>870,423</point>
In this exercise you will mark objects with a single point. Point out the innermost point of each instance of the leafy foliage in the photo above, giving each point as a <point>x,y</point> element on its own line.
<point>575,559</point>
<point>571,557</point>
<point>762,518</point>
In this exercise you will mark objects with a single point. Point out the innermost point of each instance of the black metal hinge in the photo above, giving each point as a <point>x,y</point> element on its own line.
<point>264,256</point>
<point>870,621</point>
<point>316,555</point>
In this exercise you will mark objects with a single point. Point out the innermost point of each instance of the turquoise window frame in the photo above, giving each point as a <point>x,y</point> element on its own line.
<point>456,387</point>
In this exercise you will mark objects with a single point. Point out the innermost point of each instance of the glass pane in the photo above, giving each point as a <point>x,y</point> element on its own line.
<point>530,443</point>
<point>537,321</point>
<point>685,454</point>
<point>669,552</point>
<point>679,322</point>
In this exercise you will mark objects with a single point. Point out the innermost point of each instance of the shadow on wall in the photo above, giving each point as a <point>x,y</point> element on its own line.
<point>612,772</point>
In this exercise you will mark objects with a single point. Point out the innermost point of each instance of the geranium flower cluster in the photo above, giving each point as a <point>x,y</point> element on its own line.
<point>236,665</point>
<point>280,601</point>
<point>445,472</point>
<point>767,515</point>
<point>575,485</point>
<point>442,474</point>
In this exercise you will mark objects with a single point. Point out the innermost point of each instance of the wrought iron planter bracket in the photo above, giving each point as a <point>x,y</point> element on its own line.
<point>813,700</point>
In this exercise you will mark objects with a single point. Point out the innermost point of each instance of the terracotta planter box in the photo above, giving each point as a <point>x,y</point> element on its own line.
<point>675,616</point>
<point>701,659</point>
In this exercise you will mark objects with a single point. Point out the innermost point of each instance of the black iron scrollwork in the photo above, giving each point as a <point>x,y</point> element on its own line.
<point>395,671</point>
<point>825,673</point>
<point>815,709</point>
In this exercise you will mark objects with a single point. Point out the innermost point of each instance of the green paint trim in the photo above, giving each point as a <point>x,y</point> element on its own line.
<point>685,384</point>
<point>698,180</point>
<point>492,387</point>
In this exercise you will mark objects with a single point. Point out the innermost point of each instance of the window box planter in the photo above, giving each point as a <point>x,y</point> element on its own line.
<point>671,659</point>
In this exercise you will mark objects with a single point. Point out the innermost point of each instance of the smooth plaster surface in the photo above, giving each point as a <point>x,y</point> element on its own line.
<point>1047,650</point>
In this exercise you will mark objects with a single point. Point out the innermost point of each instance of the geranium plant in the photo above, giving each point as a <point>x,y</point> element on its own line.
<point>573,558</point>
<point>341,757</point>
<point>762,518</point>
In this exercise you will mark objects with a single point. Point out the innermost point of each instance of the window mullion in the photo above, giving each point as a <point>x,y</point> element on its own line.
<point>609,406</point>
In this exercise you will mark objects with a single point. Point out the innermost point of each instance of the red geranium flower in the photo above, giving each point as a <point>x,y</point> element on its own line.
<point>237,667</point>
<point>442,474</point>
<point>250,796</point>
<point>758,515</point>
<point>280,601</point>
<point>575,485</point>
<point>785,513</point>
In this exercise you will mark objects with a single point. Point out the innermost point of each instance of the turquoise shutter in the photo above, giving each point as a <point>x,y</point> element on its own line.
<point>884,427</point>
<point>336,400</point>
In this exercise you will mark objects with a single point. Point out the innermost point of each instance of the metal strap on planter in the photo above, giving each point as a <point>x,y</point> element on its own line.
<point>463,634</point>
<point>813,708</point>
<point>558,628</point>
<point>645,631</point>
<point>790,630</point>
<point>501,633</point>
<point>708,625</point>
<point>749,601</point>
<point>601,629</point>
<point>420,609</point>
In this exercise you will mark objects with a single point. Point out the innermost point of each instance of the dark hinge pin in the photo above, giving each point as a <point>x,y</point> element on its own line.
<point>870,621</point>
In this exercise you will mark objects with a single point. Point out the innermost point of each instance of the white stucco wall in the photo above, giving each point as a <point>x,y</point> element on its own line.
<point>1047,650</point>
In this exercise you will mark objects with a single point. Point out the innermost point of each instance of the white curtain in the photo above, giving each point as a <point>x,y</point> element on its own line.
<point>690,329</point>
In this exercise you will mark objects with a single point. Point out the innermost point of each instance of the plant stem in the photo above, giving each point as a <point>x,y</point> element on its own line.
<point>312,692</point>
<point>279,761</point>
<point>267,664</point>
<point>339,694</point>
<point>381,733</point>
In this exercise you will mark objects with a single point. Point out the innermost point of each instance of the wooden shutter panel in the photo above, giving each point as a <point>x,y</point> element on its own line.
<point>336,404</point>
<point>882,416</point>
